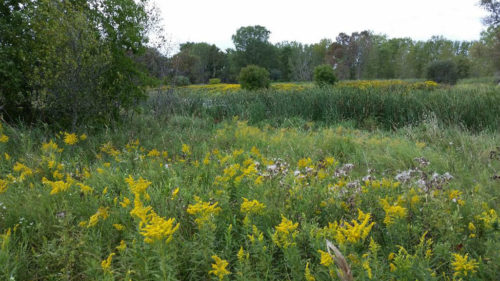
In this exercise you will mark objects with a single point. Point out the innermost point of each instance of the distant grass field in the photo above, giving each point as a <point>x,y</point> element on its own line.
<point>252,185</point>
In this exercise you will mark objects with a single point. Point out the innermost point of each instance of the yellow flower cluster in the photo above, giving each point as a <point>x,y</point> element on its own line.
<point>489,218</point>
<point>463,266</point>
<point>70,139</point>
<point>3,138</point>
<point>57,186</point>
<point>352,232</point>
<point>393,211</point>
<point>23,170</point>
<point>158,228</point>
<point>285,233</point>
<point>326,258</point>
<point>106,264</point>
<point>219,268</point>
<point>138,187</point>
<point>251,207</point>
<point>101,214</point>
<point>3,185</point>
<point>307,274</point>
<point>204,211</point>
<point>152,226</point>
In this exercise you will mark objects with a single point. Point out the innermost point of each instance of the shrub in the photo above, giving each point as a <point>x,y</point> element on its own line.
<point>254,77</point>
<point>323,75</point>
<point>214,81</point>
<point>180,80</point>
<point>444,71</point>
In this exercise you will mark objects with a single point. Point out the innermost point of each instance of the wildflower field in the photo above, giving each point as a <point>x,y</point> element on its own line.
<point>245,187</point>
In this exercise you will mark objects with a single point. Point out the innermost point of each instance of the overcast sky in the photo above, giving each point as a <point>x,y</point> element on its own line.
<point>308,21</point>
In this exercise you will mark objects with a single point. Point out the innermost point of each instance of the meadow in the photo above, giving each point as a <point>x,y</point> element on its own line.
<point>363,181</point>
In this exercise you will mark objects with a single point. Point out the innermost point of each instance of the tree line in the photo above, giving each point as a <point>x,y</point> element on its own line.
<point>360,55</point>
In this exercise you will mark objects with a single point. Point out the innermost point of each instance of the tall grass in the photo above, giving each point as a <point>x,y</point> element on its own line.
<point>474,108</point>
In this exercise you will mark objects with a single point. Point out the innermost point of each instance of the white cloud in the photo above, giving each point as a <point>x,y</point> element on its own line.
<point>311,20</point>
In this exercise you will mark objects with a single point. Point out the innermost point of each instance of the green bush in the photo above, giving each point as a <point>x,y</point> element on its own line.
<point>324,75</point>
<point>71,64</point>
<point>180,80</point>
<point>444,71</point>
<point>254,77</point>
<point>214,81</point>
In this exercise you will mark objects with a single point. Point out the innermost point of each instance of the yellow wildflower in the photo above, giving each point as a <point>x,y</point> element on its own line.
<point>153,153</point>
<point>219,267</point>
<point>352,232</point>
<point>125,202</point>
<point>366,266</point>
<point>118,226</point>
<point>139,210</point>
<point>3,186</point>
<point>186,149</point>
<point>392,267</point>
<point>49,146</point>
<point>256,233</point>
<point>70,139</point>
<point>23,169</point>
<point>122,246</point>
<point>102,213</point>
<point>57,186</point>
<point>83,137</point>
<point>251,207</point>
<point>242,255</point>
<point>5,239</point>
<point>326,258</point>
<point>139,186</point>
<point>174,193</point>
<point>285,233</point>
<point>203,210</point>
<point>463,266</point>
<point>489,218</point>
<point>307,274</point>
<point>158,228</point>
<point>392,211</point>
<point>4,138</point>
<point>106,264</point>
<point>472,229</point>
<point>304,162</point>
<point>206,160</point>
<point>85,189</point>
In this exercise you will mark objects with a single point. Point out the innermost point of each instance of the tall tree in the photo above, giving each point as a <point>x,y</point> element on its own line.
<point>493,7</point>
<point>253,47</point>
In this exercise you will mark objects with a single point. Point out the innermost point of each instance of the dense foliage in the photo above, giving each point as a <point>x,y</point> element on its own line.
<point>360,55</point>
<point>70,62</point>
<point>443,72</point>
<point>324,75</point>
<point>253,77</point>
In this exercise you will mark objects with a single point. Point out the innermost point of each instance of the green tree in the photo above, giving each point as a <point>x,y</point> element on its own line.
<point>71,62</point>
<point>252,46</point>
<point>492,7</point>
<point>200,61</point>
<point>443,71</point>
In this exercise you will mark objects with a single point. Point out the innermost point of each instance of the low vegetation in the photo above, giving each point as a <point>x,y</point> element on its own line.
<point>194,193</point>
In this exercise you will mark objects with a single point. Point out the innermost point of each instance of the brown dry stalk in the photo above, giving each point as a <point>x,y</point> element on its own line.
<point>343,269</point>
